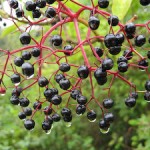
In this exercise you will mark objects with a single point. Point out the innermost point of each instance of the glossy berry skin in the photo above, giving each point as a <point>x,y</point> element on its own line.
<point>108,103</point>
<point>68,48</point>
<point>17,91</point>
<point>80,109</point>
<point>13,4</point>
<point>37,105</point>
<point>35,52</point>
<point>65,112</point>
<point>29,124</point>
<point>21,115</point>
<point>122,67</point>
<point>83,72</point>
<point>41,3</point>
<point>108,117</point>
<point>26,55</point>
<point>64,84</point>
<point>134,95</point>
<point>42,81</point>
<point>130,36</point>
<point>49,93</point>
<point>147,96</point>
<point>144,2</point>
<point>91,115</point>
<point>120,38</point>
<point>30,5</point>
<point>56,40</point>
<point>28,111</point>
<point>56,117</point>
<point>50,1</point>
<point>36,13</point>
<point>140,40</point>
<point>147,85</point>
<point>107,64</point>
<point>64,67</point>
<point>113,20</point>
<point>148,54</point>
<point>14,100</point>
<point>19,13</point>
<point>25,38</point>
<point>99,73</point>
<point>46,125</point>
<point>103,3</point>
<point>130,28</point>
<point>110,40</point>
<point>128,54</point>
<point>142,63</point>
<point>58,77</point>
<point>74,94</point>
<point>103,124</point>
<point>50,12</point>
<point>93,23</point>
<point>27,69</point>
<point>98,51</point>
<point>47,110</point>
<point>82,100</point>
<point>15,78</point>
<point>56,99</point>
<point>102,81</point>
<point>18,61</point>
<point>67,118</point>
<point>130,102</point>
<point>24,102</point>
<point>115,50</point>
<point>122,59</point>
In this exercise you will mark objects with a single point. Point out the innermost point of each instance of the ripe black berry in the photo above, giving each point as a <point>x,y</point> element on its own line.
<point>35,52</point>
<point>93,23</point>
<point>58,77</point>
<point>42,81</point>
<point>22,115</point>
<point>47,110</point>
<point>107,64</point>
<point>26,55</point>
<point>75,93</point>
<point>27,69</point>
<point>108,103</point>
<point>13,4</point>
<point>91,115</point>
<point>56,40</point>
<point>25,38</point>
<point>56,117</point>
<point>98,51</point>
<point>144,2</point>
<point>36,13</point>
<point>130,28</point>
<point>49,93</point>
<point>56,99</point>
<point>140,40</point>
<point>19,13</point>
<point>50,12</point>
<point>113,20</point>
<point>64,67</point>
<point>50,1</point>
<point>30,5</point>
<point>134,95</point>
<point>148,54</point>
<point>115,50</point>
<point>120,38</point>
<point>122,59</point>
<point>28,111</point>
<point>65,112</point>
<point>83,72</point>
<point>102,80</point>
<point>82,100</point>
<point>130,36</point>
<point>99,73</point>
<point>24,102</point>
<point>110,40</point>
<point>18,61</point>
<point>103,3</point>
<point>122,67</point>
<point>17,91</point>
<point>46,125</point>
<point>128,54</point>
<point>67,118</point>
<point>130,102</point>
<point>147,96</point>
<point>80,110</point>
<point>147,85</point>
<point>29,124</point>
<point>108,117</point>
<point>64,84</point>
<point>15,78</point>
<point>41,3</point>
<point>37,105</point>
<point>14,100</point>
<point>68,48</point>
<point>103,124</point>
<point>143,63</point>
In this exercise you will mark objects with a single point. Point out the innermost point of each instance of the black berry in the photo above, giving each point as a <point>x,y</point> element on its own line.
<point>107,64</point>
<point>35,52</point>
<point>29,124</point>
<point>25,38</point>
<point>30,5</point>
<point>140,40</point>
<point>18,61</point>
<point>108,103</point>
<point>15,78</point>
<point>27,69</point>
<point>24,102</point>
<point>82,100</point>
<point>103,3</point>
<point>50,12</point>
<point>83,72</point>
<point>64,67</point>
<point>56,99</point>
<point>64,84</point>
<point>130,102</point>
<point>91,115</point>
<point>113,20</point>
<point>93,23</point>
<point>26,55</point>
<point>56,40</point>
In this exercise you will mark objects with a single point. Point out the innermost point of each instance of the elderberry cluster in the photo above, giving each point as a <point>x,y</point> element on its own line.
<point>52,96</point>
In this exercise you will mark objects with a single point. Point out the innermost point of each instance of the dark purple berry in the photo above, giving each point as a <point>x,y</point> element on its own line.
<point>46,125</point>
<point>128,54</point>
<point>50,1</point>
<point>47,110</point>
<point>35,52</point>
<point>50,12</point>
<point>67,118</point>
<point>56,99</point>
<point>36,13</point>
<point>82,100</point>
<point>80,110</point>
<point>99,73</point>
<point>91,115</point>
<point>26,55</point>
<point>93,23</point>
<point>130,28</point>
<point>110,40</point>
<point>108,103</point>
<point>122,59</point>
<point>37,105</point>
<point>28,111</point>
<point>49,93</point>
<point>140,40</point>
<point>29,124</point>
<point>25,38</point>
<point>56,40</point>
<point>14,100</point>
<point>68,48</point>
<point>22,115</point>
<point>147,85</point>
<point>83,72</point>
<point>102,81</point>
<point>56,117</point>
<point>19,13</point>
<point>13,4</point>
<point>17,91</point>
<point>103,3</point>
<point>113,20</point>
<point>144,2</point>
<point>64,84</point>
<point>134,95</point>
<point>120,38</point>
<point>65,112</point>
<point>142,63</point>
<point>108,117</point>
<point>58,77</point>
<point>15,78</point>
<point>74,94</point>
<point>24,102</point>
<point>122,67</point>
<point>104,125</point>
<point>107,64</point>
<point>64,67</point>
<point>30,5</point>
<point>42,81</point>
<point>115,50</point>
<point>130,102</point>
<point>98,51</point>
<point>18,61</point>
<point>27,69</point>
<point>41,3</point>
<point>148,54</point>
<point>147,96</point>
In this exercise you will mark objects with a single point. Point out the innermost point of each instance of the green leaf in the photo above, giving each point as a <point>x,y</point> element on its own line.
<point>120,8</point>
<point>133,122</point>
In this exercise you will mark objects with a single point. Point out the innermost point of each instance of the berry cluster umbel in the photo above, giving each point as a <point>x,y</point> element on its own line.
<point>52,97</point>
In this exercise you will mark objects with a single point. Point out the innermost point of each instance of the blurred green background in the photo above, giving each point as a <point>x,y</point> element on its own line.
<point>131,128</point>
